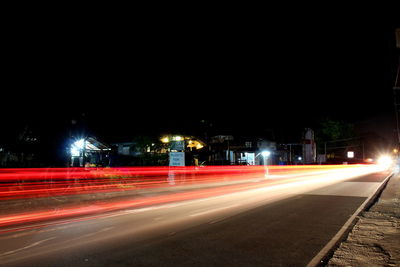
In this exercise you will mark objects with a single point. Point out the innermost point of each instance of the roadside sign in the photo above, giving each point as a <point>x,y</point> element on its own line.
<point>178,145</point>
<point>176,158</point>
<point>350,154</point>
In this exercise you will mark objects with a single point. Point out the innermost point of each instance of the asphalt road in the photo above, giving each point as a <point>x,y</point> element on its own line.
<point>285,224</point>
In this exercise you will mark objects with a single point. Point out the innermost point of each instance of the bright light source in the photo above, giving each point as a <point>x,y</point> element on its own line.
<point>77,147</point>
<point>75,152</point>
<point>265,153</point>
<point>177,138</point>
<point>385,161</point>
<point>165,139</point>
<point>350,154</point>
<point>299,158</point>
<point>79,144</point>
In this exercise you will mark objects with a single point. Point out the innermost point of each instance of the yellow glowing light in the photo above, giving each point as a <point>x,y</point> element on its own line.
<point>165,139</point>
<point>195,144</point>
<point>177,138</point>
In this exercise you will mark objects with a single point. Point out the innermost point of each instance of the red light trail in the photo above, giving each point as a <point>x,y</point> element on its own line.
<point>39,183</point>
<point>33,183</point>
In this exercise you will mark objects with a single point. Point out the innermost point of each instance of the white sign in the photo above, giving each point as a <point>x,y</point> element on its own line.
<point>350,154</point>
<point>176,158</point>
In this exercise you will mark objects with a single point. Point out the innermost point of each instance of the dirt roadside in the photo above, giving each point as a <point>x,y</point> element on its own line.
<point>375,238</point>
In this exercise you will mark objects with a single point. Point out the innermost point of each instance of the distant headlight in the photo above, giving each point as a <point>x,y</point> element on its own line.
<point>385,161</point>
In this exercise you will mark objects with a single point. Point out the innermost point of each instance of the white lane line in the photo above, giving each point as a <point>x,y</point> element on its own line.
<point>29,246</point>
<point>213,210</point>
<point>97,232</point>
<point>218,220</point>
<point>139,210</point>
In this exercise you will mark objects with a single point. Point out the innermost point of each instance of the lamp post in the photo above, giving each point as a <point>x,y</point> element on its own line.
<point>265,155</point>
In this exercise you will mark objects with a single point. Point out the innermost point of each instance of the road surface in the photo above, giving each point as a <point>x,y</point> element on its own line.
<point>265,224</point>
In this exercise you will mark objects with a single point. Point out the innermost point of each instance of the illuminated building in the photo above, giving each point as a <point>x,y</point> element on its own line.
<point>89,152</point>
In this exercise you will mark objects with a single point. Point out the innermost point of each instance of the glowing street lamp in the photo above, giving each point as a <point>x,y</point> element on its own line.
<point>165,139</point>
<point>77,147</point>
<point>77,150</point>
<point>265,153</point>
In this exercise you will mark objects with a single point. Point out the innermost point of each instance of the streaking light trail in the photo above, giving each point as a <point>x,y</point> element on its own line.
<point>39,183</point>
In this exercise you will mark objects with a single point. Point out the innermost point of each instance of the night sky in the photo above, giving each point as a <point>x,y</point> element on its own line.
<point>239,76</point>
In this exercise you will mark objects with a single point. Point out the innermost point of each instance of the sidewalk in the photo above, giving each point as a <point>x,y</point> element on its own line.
<point>375,238</point>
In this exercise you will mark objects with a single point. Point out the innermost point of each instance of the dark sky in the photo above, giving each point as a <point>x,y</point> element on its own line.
<point>236,73</point>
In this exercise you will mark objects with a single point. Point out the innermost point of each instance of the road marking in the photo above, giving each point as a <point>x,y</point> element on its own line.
<point>97,232</point>
<point>30,232</point>
<point>214,210</point>
<point>29,246</point>
<point>217,220</point>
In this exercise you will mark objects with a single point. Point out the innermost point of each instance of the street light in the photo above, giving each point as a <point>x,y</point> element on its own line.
<point>77,150</point>
<point>265,155</point>
<point>77,147</point>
